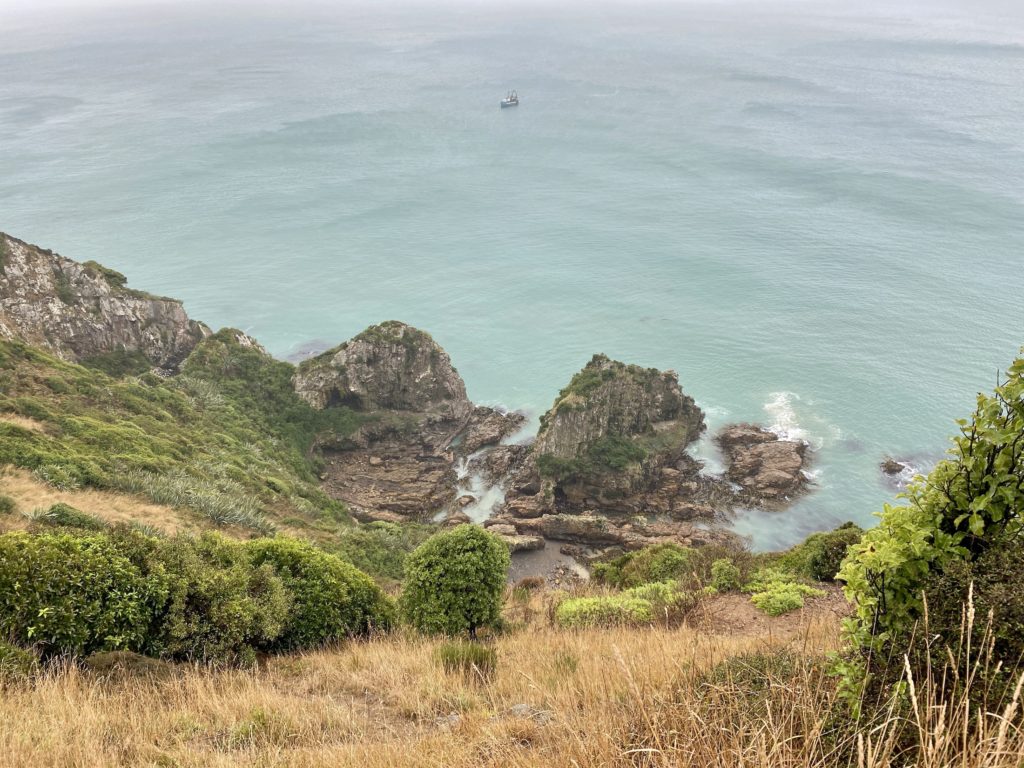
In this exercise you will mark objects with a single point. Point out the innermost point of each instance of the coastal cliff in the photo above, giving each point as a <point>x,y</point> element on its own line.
<point>86,312</point>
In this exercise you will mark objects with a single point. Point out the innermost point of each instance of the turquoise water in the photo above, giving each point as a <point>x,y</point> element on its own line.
<point>815,214</point>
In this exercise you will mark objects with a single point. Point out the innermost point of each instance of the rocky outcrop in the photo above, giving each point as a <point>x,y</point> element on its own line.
<point>400,464</point>
<point>768,469</point>
<point>891,466</point>
<point>600,531</point>
<point>84,311</point>
<point>390,366</point>
<point>613,441</point>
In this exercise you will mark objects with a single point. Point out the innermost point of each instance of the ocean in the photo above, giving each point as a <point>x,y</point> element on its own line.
<point>813,212</point>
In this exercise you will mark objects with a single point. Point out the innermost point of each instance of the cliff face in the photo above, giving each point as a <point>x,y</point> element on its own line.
<point>401,464</point>
<point>611,431</point>
<point>81,311</point>
<point>388,366</point>
<point>610,399</point>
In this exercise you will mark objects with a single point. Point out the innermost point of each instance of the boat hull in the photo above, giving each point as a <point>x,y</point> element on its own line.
<point>507,104</point>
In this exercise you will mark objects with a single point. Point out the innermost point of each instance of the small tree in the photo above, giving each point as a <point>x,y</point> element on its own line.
<point>454,582</point>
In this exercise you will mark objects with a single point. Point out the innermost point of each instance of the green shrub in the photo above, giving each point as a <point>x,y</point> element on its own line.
<point>662,562</point>
<point>7,505</point>
<point>16,663</point>
<point>467,657</point>
<point>331,599</point>
<point>119,362</point>
<point>221,607</point>
<point>66,516</point>
<point>455,581</point>
<point>725,576</point>
<point>820,555</point>
<point>775,592</point>
<point>73,594</point>
<point>968,504</point>
<point>618,610</point>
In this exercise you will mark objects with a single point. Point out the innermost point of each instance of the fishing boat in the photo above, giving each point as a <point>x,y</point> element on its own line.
<point>512,100</point>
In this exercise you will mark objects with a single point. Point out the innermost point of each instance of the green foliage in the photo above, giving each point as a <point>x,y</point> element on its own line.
<point>230,439</point>
<point>380,548</point>
<point>66,516</point>
<point>967,503</point>
<point>782,596</point>
<point>7,505</point>
<point>330,598</point>
<point>221,607</point>
<point>455,581</point>
<point>607,453</point>
<point>820,555</point>
<point>120,362</point>
<point>616,610</point>
<point>16,663</point>
<point>662,562</point>
<point>467,657</point>
<point>725,576</point>
<point>72,594</point>
<point>995,582</point>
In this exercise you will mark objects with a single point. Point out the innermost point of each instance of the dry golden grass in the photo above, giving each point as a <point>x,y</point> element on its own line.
<point>23,421</point>
<point>30,494</point>
<point>616,697</point>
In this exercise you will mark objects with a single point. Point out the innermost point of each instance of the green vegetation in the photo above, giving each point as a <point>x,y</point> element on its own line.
<point>776,591</point>
<point>230,439</point>
<point>615,610</point>
<point>661,562</point>
<point>66,516</point>
<point>725,575</point>
<point>16,663</point>
<point>7,505</point>
<point>960,525</point>
<point>607,453</point>
<point>380,548</point>
<point>331,599</point>
<point>455,582</point>
<point>208,599</point>
<point>119,363</point>
<point>820,555</point>
<point>62,284</point>
<point>72,594</point>
<point>470,657</point>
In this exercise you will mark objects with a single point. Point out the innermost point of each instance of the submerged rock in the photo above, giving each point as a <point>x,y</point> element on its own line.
<point>85,311</point>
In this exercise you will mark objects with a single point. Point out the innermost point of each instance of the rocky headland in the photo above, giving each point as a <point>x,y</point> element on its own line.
<point>609,467</point>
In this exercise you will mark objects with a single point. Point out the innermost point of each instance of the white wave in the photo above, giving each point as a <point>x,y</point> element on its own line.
<point>783,417</point>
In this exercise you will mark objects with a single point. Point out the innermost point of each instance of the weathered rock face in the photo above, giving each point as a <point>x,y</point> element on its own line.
<point>81,311</point>
<point>388,366</point>
<point>768,469</point>
<point>614,440</point>
<point>401,464</point>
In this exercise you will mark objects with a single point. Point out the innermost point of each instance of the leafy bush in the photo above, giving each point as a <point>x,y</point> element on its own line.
<point>969,503</point>
<point>467,657</point>
<point>781,597</point>
<point>16,663</point>
<point>72,594</point>
<point>7,505</point>
<point>66,516</point>
<point>820,555</point>
<point>455,581</point>
<point>221,607</point>
<point>725,576</point>
<point>662,562</point>
<point>330,598</point>
<point>608,611</point>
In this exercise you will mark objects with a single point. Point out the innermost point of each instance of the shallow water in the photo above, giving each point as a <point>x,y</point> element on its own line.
<point>812,212</point>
